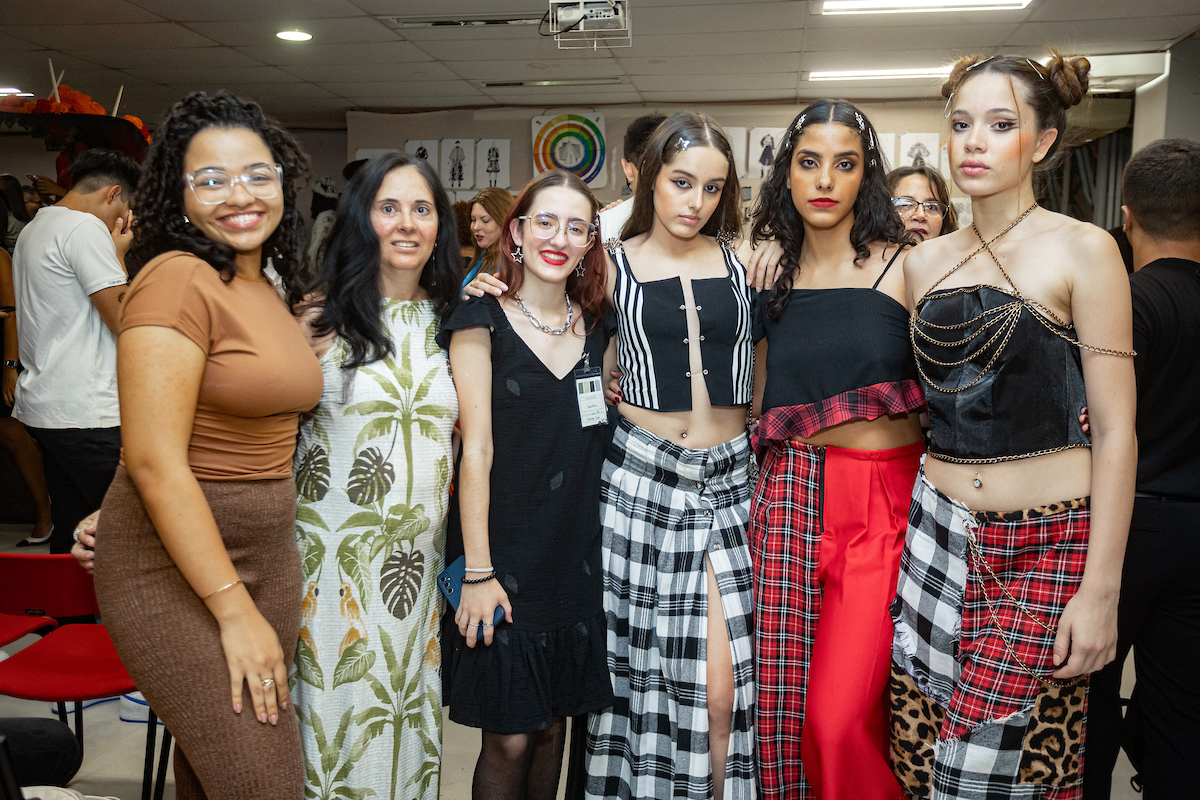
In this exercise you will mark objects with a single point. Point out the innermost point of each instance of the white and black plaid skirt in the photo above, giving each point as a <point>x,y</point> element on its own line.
<point>663,509</point>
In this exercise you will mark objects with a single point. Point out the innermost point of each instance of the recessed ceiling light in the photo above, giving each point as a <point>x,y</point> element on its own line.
<point>294,36</point>
<point>917,6</point>
<point>12,90</point>
<point>879,74</point>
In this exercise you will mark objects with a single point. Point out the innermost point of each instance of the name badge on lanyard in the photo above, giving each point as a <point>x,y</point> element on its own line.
<point>589,392</point>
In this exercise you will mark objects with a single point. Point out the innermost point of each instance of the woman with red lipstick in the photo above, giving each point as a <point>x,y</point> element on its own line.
<point>922,199</point>
<point>197,570</point>
<point>1008,588</point>
<point>527,369</point>
<point>488,210</point>
<point>839,442</point>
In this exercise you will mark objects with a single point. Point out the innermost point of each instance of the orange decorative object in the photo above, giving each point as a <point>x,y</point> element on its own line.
<point>70,101</point>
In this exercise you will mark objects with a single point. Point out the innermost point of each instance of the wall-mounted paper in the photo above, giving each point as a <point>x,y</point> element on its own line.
<point>371,152</point>
<point>491,165</point>
<point>944,162</point>
<point>458,163</point>
<point>424,149</point>
<point>962,207</point>
<point>764,144</point>
<point>887,146</point>
<point>737,140</point>
<point>917,149</point>
<point>573,141</point>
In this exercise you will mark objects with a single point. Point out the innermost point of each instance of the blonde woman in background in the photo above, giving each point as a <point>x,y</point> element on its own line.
<point>488,210</point>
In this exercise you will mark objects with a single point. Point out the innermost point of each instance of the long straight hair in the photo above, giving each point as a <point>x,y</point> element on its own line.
<point>589,289</point>
<point>349,273</point>
<point>776,215</point>
<point>674,135</point>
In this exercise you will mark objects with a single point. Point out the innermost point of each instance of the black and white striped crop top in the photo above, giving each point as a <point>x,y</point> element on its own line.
<point>652,336</point>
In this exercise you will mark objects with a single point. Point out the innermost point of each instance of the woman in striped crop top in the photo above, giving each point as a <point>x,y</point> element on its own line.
<point>839,443</point>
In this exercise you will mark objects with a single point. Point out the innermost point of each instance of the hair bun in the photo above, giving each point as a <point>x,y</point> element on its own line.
<point>957,73</point>
<point>1069,77</point>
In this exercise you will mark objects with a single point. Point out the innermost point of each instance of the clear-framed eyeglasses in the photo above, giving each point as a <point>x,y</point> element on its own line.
<point>907,206</point>
<point>544,226</point>
<point>212,186</point>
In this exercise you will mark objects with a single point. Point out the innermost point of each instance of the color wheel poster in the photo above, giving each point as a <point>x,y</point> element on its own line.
<point>571,141</point>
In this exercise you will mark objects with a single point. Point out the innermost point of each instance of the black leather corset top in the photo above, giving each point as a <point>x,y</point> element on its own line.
<point>1002,381</point>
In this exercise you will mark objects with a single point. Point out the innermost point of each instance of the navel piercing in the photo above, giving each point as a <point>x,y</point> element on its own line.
<point>977,483</point>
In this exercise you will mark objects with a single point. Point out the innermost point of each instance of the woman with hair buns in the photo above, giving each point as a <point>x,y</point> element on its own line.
<point>1009,581</point>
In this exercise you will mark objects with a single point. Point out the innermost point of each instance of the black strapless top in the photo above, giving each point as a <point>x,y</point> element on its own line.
<point>1018,390</point>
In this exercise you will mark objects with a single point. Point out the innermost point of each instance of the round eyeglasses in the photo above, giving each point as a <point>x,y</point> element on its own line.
<point>907,206</point>
<point>545,226</point>
<point>212,186</point>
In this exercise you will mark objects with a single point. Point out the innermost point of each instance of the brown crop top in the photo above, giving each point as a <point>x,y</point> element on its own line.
<point>259,374</point>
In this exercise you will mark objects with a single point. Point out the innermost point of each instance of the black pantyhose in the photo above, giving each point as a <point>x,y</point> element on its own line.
<point>520,766</point>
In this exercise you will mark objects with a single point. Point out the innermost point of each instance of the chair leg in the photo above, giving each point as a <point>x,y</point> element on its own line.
<point>79,727</point>
<point>61,710</point>
<point>161,782</point>
<point>148,768</point>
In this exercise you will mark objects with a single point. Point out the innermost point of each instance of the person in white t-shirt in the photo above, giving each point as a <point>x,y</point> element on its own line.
<point>68,276</point>
<point>614,216</point>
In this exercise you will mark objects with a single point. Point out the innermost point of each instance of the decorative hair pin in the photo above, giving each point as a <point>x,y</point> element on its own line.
<point>862,125</point>
<point>874,147</point>
<point>946,110</point>
<point>798,125</point>
<point>1037,71</point>
<point>683,143</point>
<point>980,63</point>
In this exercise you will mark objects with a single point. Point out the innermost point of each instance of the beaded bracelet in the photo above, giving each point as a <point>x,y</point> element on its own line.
<point>473,581</point>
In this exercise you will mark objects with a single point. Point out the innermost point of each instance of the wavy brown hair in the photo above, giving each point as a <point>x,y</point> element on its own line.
<point>496,202</point>
<point>160,223</point>
<point>668,141</point>
<point>588,290</point>
<point>937,184</point>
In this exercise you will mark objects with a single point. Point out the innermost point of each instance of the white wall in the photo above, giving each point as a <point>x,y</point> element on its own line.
<point>327,149</point>
<point>20,153</point>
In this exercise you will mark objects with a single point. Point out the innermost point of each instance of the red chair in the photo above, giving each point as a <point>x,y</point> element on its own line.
<point>73,662</point>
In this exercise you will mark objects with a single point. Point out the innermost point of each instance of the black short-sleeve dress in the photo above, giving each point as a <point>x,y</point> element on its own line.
<point>544,534</point>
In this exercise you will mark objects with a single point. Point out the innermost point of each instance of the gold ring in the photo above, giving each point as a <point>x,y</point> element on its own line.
<point>268,683</point>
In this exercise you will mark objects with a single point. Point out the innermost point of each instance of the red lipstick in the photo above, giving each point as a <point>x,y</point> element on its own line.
<point>823,202</point>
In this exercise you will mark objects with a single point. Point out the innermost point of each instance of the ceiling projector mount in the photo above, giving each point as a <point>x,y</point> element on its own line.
<point>590,24</point>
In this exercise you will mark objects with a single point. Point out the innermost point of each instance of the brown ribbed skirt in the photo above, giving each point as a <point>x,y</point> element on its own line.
<point>171,644</point>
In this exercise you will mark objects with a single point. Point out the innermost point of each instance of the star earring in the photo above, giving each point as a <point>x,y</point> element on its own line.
<point>517,255</point>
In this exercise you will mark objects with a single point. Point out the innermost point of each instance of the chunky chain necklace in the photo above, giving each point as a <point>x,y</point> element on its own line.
<point>537,323</point>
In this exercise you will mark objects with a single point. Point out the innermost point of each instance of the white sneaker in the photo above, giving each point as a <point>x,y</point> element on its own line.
<point>134,708</point>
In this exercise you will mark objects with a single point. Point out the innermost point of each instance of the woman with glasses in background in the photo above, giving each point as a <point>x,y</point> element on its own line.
<point>197,570</point>
<point>922,199</point>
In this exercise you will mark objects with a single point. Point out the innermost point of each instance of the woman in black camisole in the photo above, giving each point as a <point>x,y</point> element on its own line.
<point>839,442</point>
<point>1008,590</point>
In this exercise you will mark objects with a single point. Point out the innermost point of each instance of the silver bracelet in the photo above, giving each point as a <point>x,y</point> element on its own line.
<point>472,569</point>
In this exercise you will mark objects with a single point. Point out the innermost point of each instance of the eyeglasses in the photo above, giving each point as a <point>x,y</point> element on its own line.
<point>213,186</point>
<point>907,206</point>
<point>545,226</point>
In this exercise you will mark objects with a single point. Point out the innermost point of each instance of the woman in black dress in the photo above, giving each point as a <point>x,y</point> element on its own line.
<point>527,369</point>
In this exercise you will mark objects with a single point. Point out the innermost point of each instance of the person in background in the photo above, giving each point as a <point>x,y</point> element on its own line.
<point>33,200</point>
<point>529,494</point>
<point>922,199</point>
<point>13,436</point>
<point>1007,597</point>
<point>69,276</point>
<point>1159,612</point>
<point>197,572</point>
<point>18,213</point>
<point>466,239</point>
<point>488,210</point>
<point>614,216</point>
<point>321,210</point>
<point>372,474</point>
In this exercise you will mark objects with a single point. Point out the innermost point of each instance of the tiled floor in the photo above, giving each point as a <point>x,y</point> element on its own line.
<point>114,750</point>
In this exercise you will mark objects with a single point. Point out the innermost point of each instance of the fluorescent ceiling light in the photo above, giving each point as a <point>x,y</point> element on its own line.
<point>917,6</point>
<point>294,36</point>
<point>879,74</point>
<point>563,82</point>
<point>12,90</point>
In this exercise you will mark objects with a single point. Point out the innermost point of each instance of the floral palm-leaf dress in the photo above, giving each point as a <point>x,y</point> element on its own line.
<point>372,470</point>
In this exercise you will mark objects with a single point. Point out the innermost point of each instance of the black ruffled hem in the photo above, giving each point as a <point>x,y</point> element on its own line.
<point>525,679</point>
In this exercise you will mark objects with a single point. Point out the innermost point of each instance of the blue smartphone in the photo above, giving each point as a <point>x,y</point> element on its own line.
<point>450,582</point>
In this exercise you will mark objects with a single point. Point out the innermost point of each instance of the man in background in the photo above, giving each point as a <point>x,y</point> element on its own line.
<point>69,275</point>
<point>1159,613</point>
<point>615,215</point>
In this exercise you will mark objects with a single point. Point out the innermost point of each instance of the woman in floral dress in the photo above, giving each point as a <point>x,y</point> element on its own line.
<point>373,470</point>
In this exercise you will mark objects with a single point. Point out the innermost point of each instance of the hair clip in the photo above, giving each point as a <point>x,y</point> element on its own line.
<point>1037,71</point>
<point>683,143</point>
<point>979,63</point>
<point>872,144</point>
<point>797,126</point>
<point>862,125</point>
<point>946,110</point>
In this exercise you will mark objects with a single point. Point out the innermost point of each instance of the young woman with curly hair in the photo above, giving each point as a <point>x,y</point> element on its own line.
<point>839,441</point>
<point>1008,587</point>
<point>197,570</point>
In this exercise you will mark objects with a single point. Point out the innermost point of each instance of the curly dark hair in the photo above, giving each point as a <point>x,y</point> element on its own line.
<point>776,215</point>
<point>349,273</point>
<point>159,220</point>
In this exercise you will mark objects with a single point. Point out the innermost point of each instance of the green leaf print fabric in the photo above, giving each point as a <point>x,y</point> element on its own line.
<point>372,469</point>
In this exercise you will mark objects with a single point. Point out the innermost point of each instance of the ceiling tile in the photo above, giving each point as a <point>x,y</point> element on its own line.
<point>500,49</point>
<point>392,103</point>
<point>1076,34</point>
<point>916,37</point>
<point>352,30</point>
<point>569,99</point>
<point>710,65</point>
<point>181,58</point>
<point>452,8</point>
<point>262,92</point>
<point>1108,9</point>
<point>53,12</point>
<point>683,83</point>
<point>249,74</point>
<point>190,10</point>
<point>123,36</point>
<point>414,89</point>
<point>941,18</point>
<point>723,18</point>
<point>875,59</point>
<point>537,70</point>
<point>349,73</point>
<point>282,54</point>
<point>750,44</point>
<point>538,91</point>
<point>724,96</point>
